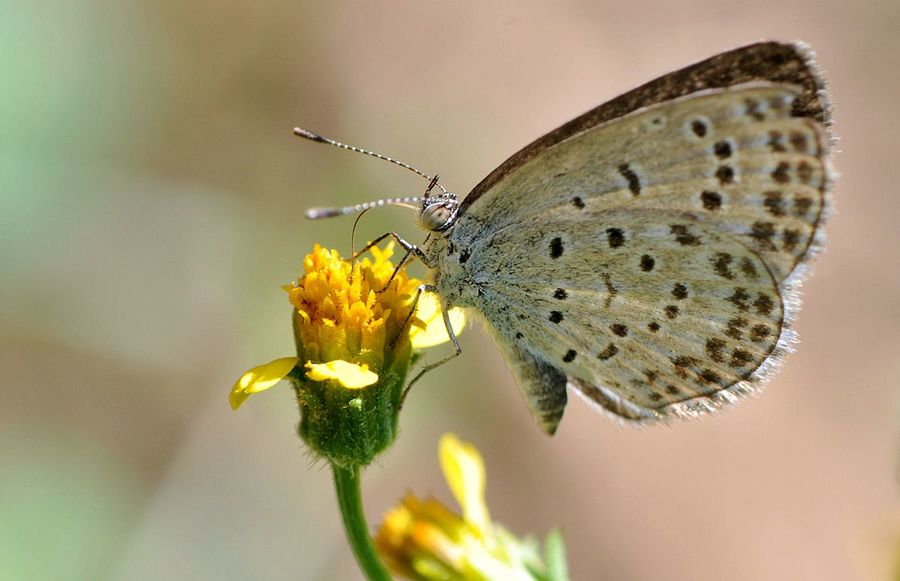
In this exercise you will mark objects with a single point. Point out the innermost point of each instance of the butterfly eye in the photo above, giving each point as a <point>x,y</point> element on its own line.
<point>438,217</point>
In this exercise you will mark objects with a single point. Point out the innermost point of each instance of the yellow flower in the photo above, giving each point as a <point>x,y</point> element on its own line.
<point>344,328</point>
<point>424,540</point>
<point>355,342</point>
<point>338,313</point>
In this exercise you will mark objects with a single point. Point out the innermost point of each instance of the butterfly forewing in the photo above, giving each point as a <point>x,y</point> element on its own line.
<point>734,157</point>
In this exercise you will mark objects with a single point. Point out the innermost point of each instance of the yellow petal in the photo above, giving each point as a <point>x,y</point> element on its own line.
<point>464,470</point>
<point>260,379</point>
<point>435,332</point>
<point>350,375</point>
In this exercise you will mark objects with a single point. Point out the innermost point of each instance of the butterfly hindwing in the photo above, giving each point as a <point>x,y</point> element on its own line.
<point>654,309</point>
<point>542,384</point>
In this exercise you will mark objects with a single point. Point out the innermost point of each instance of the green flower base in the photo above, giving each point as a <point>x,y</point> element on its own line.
<point>349,427</point>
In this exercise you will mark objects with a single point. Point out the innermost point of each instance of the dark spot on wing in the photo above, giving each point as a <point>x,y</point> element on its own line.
<point>699,128</point>
<point>774,203</point>
<point>578,203</point>
<point>634,182</point>
<point>464,255</point>
<point>684,236</point>
<point>608,352</point>
<point>740,299</point>
<point>735,327</point>
<point>753,109</point>
<point>725,174</point>
<point>805,172</point>
<point>569,356</point>
<point>560,294</point>
<point>799,141</point>
<point>763,304</point>
<point>672,389</point>
<point>722,265</point>
<point>710,376</point>
<point>654,327</point>
<point>762,233</point>
<point>740,358</point>
<point>722,149</point>
<point>615,237</point>
<point>647,263</point>
<point>711,200</point>
<point>780,173</point>
<point>776,141</point>
<point>748,268</point>
<point>802,206</point>
<point>759,333</point>
<point>519,335</point>
<point>556,247</point>
<point>610,289</point>
<point>619,329</point>
<point>671,311</point>
<point>791,239</point>
<point>556,317</point>
<point>682,364</point>
<point>679,291</point>
<point>714,348</point>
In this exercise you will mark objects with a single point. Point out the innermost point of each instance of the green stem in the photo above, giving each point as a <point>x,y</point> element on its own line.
<point>346,485</point>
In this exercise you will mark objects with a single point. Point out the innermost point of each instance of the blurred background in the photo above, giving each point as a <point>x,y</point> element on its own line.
<point>151,199</point>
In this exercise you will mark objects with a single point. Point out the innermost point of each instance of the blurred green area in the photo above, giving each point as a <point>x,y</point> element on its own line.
<point>151,199</point>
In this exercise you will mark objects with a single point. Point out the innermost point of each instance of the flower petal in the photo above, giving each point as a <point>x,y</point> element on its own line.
<point>464,470</point>
<point>259,379</point>
<point>428,311</point>
<point>350,375</point>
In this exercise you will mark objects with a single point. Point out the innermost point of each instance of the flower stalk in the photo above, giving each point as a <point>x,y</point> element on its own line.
<point>347,487</point>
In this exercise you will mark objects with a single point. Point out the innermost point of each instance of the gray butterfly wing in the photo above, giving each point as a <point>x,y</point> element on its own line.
<point>671,269</point>
<point>660,315</point>
<point>543,384</point>
<point>775,62</point>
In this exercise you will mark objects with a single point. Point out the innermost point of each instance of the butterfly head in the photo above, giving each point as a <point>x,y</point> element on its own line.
<point>439,212</point>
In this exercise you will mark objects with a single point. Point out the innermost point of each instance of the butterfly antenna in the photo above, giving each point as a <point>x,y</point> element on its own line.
<point>411,202</point>
<point>322,139</point>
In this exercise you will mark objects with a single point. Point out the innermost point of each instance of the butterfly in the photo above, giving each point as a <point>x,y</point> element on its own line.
<point>646,254</point>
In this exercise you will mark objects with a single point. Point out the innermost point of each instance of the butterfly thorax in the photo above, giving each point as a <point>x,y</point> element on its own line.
<point>453,281</point>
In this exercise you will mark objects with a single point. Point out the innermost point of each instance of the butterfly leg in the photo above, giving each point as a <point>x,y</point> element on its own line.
<point>411,249</point>
<point>457,350</point>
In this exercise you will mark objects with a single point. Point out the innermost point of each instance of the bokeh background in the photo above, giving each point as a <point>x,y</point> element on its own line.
<point>151,199</point>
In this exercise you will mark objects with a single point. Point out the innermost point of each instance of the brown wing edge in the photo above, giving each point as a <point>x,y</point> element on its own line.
<point>777,62</point>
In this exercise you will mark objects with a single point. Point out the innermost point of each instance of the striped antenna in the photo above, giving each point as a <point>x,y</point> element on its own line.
<point>407,202</point>
<point>322,139</point>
